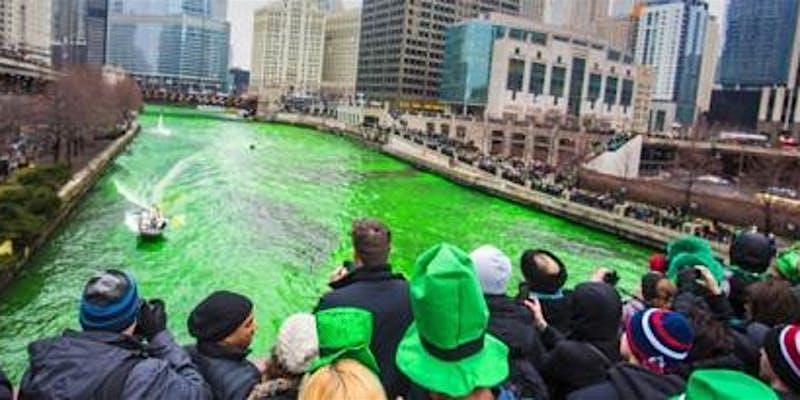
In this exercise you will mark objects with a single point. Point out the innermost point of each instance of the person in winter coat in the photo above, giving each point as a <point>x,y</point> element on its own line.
<point>371,285</point>
<point>654,345</point>
<point>224,324</point>
<point>750,254</point>
<point>592,346</point>
<point>510,322</point>
<point>768,303</point>
<point>780,361</point>
<point>656,291</point>
<point>6,391</point>
<point>545,276</point>
<point>295,348</point>
<point>106,360</point>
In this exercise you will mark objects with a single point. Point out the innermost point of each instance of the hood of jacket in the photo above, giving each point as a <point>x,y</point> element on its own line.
<point>596,310</point>
<point>632,382</point>
<point>511,323</point>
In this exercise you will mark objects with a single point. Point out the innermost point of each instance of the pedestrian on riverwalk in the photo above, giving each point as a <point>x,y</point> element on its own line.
<point>371,285</point>
<point>224,325</point>
<point>108,360</point>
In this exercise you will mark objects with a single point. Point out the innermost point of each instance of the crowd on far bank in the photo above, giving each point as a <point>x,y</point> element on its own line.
<point>695,327</point>
<point>563,182</point>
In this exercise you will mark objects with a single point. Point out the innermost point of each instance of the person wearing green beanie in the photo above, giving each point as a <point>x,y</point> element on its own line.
<point>447,351</point>
<point>788,265</point>
<point>722,384</point>
<point>344,332</point>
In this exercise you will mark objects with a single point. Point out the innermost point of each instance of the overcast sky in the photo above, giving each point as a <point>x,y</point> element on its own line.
<point>240,14</point>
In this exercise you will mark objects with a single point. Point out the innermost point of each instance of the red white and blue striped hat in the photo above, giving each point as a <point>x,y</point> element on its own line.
<point>659,339</point>
<point>782,345</point>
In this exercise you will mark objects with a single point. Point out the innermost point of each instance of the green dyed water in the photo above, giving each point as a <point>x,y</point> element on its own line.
<point>269,222</point>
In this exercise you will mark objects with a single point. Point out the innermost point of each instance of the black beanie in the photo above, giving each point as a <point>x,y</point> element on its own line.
<point>780,344</point>
<point>218,315</point>
<point>752,252</point>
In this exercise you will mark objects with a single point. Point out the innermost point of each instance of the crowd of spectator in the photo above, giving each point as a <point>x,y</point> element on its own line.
<point>695,327</point>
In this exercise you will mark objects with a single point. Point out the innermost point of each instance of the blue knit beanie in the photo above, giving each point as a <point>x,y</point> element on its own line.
<point>659,339</point>
<point>110,302</point>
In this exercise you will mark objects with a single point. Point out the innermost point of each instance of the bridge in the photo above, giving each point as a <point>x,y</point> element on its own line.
<point>723,147</point>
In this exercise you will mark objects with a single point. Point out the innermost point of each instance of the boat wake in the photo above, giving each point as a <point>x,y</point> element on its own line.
<point>160,129</point>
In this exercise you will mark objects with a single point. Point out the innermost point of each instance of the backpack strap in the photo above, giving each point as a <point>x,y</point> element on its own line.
<point>114,384</point>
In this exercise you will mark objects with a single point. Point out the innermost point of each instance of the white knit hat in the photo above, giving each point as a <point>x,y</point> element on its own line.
<point>493,269</point>
<point>297,345</point>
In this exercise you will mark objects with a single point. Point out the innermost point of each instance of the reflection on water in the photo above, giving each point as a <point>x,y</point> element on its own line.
<point>269,222</point>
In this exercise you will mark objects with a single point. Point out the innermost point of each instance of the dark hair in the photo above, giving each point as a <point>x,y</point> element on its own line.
<point>372,241</point>
<point>772,302</point>
<point>536,278</point>
<point>711,337</point>
<point>652,294</point>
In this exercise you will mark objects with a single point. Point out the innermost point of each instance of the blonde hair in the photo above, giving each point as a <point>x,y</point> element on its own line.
<point>345,379</point>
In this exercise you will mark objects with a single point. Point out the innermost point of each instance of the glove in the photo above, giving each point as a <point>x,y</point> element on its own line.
<point>152,319</point>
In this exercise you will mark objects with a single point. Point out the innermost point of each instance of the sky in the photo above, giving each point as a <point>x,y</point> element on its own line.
<point>240,14</point>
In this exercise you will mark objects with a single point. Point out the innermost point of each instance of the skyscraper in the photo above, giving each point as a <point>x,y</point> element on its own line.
<point>79,32</point>
<point>340,61</point>
<point>759,67</point>
<point>180,44</point>
<point>585,13</point>
<point>288,38</point>
<point>621,8</point>
<point>671,38</point>
<point>25,27</point>
<point>533,9</point>
<point>402,45</point>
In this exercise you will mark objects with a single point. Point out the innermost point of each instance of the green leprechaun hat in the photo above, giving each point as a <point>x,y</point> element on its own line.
<point>721,384</point>
<point>344,332</point>
<point>447,348</point>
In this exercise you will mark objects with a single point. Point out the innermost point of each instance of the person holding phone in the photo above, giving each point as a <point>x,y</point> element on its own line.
<point>123,352</point>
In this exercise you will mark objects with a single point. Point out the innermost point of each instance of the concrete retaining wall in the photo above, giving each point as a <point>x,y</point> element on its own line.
<point>71,194</point>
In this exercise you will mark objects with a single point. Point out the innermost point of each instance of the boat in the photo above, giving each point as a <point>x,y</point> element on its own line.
<point>151,223</point>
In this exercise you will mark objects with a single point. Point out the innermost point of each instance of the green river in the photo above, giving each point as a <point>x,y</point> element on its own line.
<point>270,222</point>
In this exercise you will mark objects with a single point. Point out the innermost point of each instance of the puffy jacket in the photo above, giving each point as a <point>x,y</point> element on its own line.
<point>386,296</point>
<point>77,365</point>
<point>226,369</point>
<point>511,322</point>
<point>630,382</point>
<point>5,387</point>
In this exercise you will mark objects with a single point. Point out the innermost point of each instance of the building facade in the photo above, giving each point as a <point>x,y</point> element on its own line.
<point>288,42</point>
<point>25,27</point>
<point>671,38</point>
<point>759,67</point>
<point>708,68</point>
<point>621,8</point>
<point>79,32</point>
<point>175,44</point>
<point>619,31</point>
<point>340,60</point>
<point>533,9</point>
<point>238,81</point>
<point>508,68</point>
<point>401,48</point>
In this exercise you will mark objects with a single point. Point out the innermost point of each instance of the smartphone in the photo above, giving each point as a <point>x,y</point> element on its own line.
<point>524,292</point>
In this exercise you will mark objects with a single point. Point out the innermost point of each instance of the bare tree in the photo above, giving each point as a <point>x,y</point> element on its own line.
<point>692,162</point>
<point>765,175</point>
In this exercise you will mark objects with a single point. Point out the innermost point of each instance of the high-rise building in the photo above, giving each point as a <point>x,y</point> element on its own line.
<point>585,14</point>
<point>619,31</point>
<point>288,40</point>
<point>79,32</point>
<point>558,12</point>
<point>620,8</point>
<point>176,44</point>
<point>340,60</point>
<point>533,9</point>
<point>708,68</point>
<point>402,45</point>
<point>758,71</point>
<point>25,28</point>
<point>670,39</point>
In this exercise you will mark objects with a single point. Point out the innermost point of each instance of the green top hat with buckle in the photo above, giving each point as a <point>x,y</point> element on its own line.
<point>721,384</point>
<point>447,348</point>
<point>344,332</point>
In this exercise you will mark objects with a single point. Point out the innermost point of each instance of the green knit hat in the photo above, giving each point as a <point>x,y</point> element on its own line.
<point>788,263</point>
<point>344,332</point>
<point>447,348</point>
<point>721,384</point>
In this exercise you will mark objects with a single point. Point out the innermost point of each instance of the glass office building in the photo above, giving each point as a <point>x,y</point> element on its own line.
<point>467,62</point>
<point>176,44</point>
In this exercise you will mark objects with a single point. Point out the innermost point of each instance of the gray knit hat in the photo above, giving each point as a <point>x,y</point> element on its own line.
<point>297,345</point>
<point>493,268</point>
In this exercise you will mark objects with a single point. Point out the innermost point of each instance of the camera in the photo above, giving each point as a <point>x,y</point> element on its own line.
<point>611,278</point>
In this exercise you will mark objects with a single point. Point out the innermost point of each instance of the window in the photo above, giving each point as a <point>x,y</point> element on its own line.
<point>611,90</point>
<point>539,38</point>
<point>627,93</point>
<point>595,85</point>
<point>576,85</point>
<point>557,81</point>
<point>536,84</point>
<point>516,70</point>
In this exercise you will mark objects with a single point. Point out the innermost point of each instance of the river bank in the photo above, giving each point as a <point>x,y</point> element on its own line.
<point>70,194</point>
<point>656,237</point>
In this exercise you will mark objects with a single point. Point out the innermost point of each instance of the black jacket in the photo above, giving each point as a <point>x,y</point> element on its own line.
<point>5,387</point>
<point>512,323</point>
<point>386,296</point>
<point>582,357</point>
<point>226,369</point>
<point>77,365</point>
<point>556,308</point>
<point>630,382</point>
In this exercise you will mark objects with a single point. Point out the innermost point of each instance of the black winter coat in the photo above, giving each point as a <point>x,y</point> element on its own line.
<point>5,387</point>
<point>512,323</point>
<point>386,296</point>
<point>630,382</point>
<point>556,309</point>
<point>77,364</point>
<point>226,369</point>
